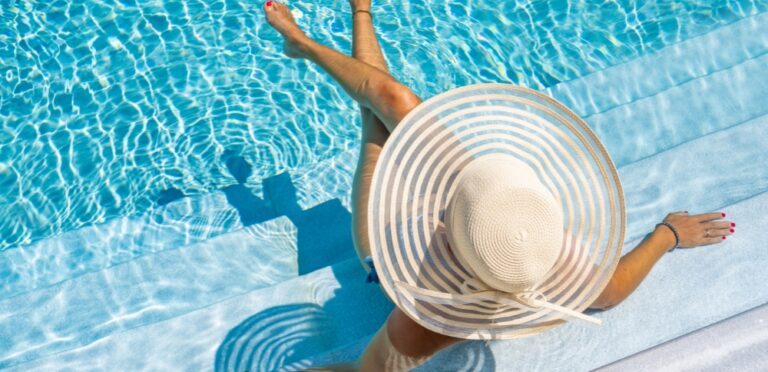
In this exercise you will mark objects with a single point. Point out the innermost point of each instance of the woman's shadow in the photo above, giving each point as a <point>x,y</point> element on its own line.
<point>324,231</point>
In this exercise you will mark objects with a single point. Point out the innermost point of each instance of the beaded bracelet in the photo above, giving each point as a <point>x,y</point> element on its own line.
<point>677,237</point>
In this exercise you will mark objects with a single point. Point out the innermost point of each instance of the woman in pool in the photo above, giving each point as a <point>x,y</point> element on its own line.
<point>402,343</point>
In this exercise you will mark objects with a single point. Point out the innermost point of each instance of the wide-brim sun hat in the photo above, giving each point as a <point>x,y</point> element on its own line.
<point>494,213</point>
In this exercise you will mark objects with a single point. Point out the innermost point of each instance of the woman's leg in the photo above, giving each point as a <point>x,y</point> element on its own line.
<point>369,86</point>
<point>365,48</point>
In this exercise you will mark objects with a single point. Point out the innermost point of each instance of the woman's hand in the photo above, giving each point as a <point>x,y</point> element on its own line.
<point>700,229</point>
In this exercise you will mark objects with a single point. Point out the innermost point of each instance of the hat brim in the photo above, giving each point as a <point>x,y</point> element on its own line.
<point>415,178</point>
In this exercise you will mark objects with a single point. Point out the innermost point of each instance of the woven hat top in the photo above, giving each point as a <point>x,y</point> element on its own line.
<point>503,224</point>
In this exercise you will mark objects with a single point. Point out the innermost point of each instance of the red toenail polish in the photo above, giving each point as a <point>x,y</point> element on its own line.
<point>733,224</point>
<point>723,238</point>
<point>732,230</point>
<point>269,3</point>
<point>723,214</point>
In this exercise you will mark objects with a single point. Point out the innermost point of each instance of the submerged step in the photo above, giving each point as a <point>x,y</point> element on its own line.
<point>680,93</point>
<point>699,176</point>
<point>259,331</point>
<point>92,248</point>
<point>149,289</point>
<point>671,66</point>
<point>304,197</point>
<point>684,112</point>
<point>307,230</point>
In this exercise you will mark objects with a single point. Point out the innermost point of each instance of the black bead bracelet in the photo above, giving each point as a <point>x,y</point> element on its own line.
<point>677,237</point>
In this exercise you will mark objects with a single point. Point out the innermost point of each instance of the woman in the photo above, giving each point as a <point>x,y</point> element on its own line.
<point>384,102</point>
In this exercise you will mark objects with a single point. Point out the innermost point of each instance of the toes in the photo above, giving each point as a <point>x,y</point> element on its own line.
<point>272,6</point>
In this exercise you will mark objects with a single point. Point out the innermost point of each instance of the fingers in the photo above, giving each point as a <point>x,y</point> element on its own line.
<point>719,229</point>
<point>705,217</point>
<point>710,241</point>
<point>719,225</point>
<point>717,233</point>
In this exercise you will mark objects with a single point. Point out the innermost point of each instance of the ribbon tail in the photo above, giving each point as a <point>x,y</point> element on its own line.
<point>570,313</point>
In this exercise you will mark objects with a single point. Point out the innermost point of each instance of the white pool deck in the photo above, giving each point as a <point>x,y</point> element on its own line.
<point>739,343</point>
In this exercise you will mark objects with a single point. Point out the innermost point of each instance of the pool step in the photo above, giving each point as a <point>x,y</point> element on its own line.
<point>279,324</point>
<point>711,83</point>
<point>190,220</point>
<point>169,278</point>
<point>92,248</point>
<point>146,290</point>
<point>707,173</point>
<point>294,322</point>
<point>668,67</point>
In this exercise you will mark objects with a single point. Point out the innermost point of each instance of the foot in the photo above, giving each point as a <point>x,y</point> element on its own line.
<point>280,18</point>
<point>360,5</point>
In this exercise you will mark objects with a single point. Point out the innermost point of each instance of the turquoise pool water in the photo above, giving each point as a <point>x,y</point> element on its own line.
<point>104,104</point>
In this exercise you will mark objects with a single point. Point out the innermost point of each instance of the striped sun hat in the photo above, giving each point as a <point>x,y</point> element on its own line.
<point>494,213</point>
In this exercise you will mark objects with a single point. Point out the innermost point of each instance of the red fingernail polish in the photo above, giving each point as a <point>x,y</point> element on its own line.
<point>723,238</point>
<point>723,214</point>
<point>269,3</point>
<point>733,224</point>
<point>732,230</point>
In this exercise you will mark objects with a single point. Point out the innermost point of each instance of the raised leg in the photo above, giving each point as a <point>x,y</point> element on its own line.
<point>365,48</point>
<point>383,100</point>
<point>369,86</point>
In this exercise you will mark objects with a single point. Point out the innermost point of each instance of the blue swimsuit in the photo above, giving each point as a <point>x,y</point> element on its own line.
<point>373,277</point>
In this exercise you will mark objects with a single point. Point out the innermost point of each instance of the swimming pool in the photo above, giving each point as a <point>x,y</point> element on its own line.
<point>106,106</point>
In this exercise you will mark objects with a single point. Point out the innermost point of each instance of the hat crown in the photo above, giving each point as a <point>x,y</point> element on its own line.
<point>504,224</point>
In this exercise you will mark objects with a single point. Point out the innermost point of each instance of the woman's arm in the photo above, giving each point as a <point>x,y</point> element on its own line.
<point>634,267</point>
<point>703,229</point>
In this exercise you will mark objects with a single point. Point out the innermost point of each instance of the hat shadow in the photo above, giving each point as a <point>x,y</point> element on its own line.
<point>296,336</point>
